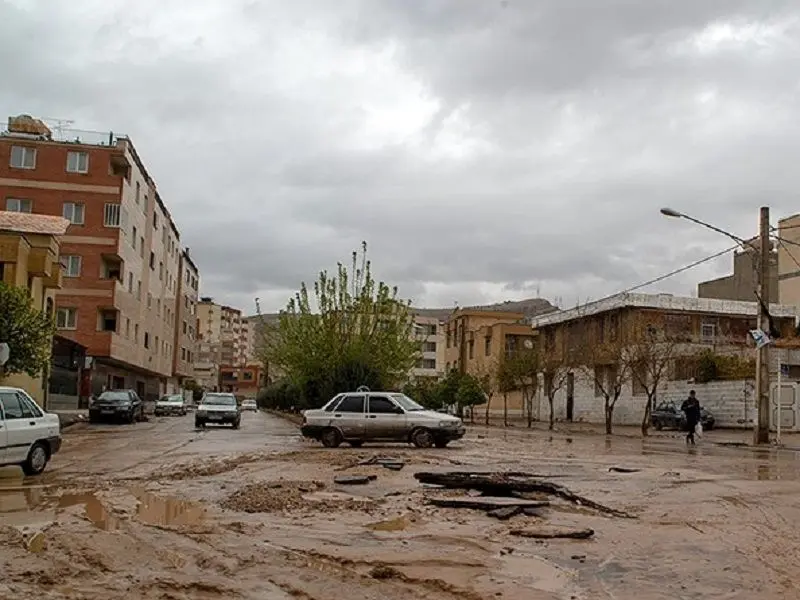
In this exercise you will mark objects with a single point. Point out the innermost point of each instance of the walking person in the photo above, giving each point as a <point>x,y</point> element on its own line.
<point>691,408</point>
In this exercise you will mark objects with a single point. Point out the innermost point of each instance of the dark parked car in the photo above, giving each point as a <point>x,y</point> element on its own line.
<point>118,405</point>
<point>668,415</point>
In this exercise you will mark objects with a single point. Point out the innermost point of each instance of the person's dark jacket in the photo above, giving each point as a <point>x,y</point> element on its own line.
<point>691,408</point>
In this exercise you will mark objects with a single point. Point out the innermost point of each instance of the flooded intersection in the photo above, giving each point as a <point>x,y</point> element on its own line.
<point>160,510</point>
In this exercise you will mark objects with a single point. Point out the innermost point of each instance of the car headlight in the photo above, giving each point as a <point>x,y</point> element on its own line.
<point>124,404</point>
<point>447,423</point>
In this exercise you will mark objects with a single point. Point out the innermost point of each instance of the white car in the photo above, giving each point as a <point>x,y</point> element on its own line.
<point>249,405</point>
<point>28,436</point>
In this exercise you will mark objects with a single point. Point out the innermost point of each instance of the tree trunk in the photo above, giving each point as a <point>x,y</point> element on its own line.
<point>550,401</point>
<point>646,418</point>
<point>505,409</point>
<point>609,416</point>
<point>488,404</point>
<point>529,404</point>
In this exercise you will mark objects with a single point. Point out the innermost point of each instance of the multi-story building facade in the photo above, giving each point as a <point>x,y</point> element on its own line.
<point>186,334</point>
<point>29,259</point>
<point>477,341</point>
<point>120,255</point>
<point>223,343</point>
<point>430,332</point>
<point>690,326</point>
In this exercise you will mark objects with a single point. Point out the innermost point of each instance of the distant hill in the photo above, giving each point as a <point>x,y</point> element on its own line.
<point>530,307</point>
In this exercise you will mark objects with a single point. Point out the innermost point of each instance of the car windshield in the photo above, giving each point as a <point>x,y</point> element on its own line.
<point>406,402</point>
<point>171,399</point>
<point>219,400</point>
<point>115,397</point>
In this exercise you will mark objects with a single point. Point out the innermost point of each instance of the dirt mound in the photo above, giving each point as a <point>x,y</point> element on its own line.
<point>207,469</point>
<point>289,496</point>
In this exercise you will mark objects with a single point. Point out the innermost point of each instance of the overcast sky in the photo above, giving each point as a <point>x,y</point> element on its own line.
<point>485,149</point>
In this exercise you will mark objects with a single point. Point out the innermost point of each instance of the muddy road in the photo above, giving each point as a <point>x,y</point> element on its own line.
<point>158,510</point>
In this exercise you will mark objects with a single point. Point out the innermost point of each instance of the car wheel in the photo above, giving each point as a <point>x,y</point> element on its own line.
<point>331,438</point>
<point>422,438</point>
<point>658,425</point>
<point>131,417</point>
<point>199,424</point>
<point>356,443</point>
<point>442,443</point>
<point>37,459</point>
<point>236,424</point>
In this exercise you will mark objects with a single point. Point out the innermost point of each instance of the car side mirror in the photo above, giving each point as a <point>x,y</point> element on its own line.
<point>398,410</point>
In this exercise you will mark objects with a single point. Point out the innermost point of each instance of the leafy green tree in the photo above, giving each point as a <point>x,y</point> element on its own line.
<point>27,331</point>
<point>469,394</point>
<point>355,331</point>
<point>425,391</point>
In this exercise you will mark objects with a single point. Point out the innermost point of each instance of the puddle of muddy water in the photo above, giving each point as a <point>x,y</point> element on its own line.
<point>151,510</point>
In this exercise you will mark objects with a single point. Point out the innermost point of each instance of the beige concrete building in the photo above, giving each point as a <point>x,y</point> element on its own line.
<point>29,259</point>
<point>430,332</point>
<point>477,341</point>
<point>186,335</point>
<point>742,283</point>
<point>789,261</point>
<point>223,341</point>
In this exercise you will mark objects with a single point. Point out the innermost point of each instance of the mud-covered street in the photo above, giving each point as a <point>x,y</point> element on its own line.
<point>159,510</point>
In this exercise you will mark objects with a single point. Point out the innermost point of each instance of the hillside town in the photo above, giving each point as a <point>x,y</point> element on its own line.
<point>85,227</point>
<point>300,332</point>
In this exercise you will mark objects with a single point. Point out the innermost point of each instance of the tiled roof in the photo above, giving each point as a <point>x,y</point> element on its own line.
<point>28,223</point>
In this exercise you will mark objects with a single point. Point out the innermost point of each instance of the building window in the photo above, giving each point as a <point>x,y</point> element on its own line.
<point>136,332</point>
<point>133,241</point>
<point>149,299</point>
<point>130,283</point>
<point>708,332</point>
<point>487,345</point>
<point>23,157</point>
<point>108,320</point>
<point>183,353</point>
<point>138,192</point>
<point>77,162</point>
<point>127,327</point>
<point>72,266</point>
<point>73,212</point>
<point>184,328</point>
<point>471,346</point>
<point>67,318</point>
<point>111,215</point>
<point>155,220</point>
<point>426,347</point>
<point>426,363</point>
<point>138,290</point>
<point>160,271</point>
<point>152,261</point>
<point>146,339</point>
<point>141,247</point>
<point>19,205</point>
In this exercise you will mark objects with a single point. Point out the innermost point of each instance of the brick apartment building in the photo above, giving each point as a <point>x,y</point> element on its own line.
<point>121,254</point>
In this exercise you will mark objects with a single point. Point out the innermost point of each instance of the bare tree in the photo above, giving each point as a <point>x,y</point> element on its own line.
<point>522,370</point>
<point>487,378</point>
<point>650,356</point>
<point>556,372</point>
<point>608,367</point>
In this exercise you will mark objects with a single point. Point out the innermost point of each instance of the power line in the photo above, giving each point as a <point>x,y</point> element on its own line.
<point>668,275</point>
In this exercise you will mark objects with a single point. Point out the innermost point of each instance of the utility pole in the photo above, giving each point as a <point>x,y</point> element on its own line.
<point>761,430</point>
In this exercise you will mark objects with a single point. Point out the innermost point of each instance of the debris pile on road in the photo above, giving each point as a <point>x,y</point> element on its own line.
<point>206,469</point>
<point>387,462</point>
<point>513,485</point>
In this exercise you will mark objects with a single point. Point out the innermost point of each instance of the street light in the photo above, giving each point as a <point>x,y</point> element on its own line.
<point>761,429</point>
<point>671,212</point>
